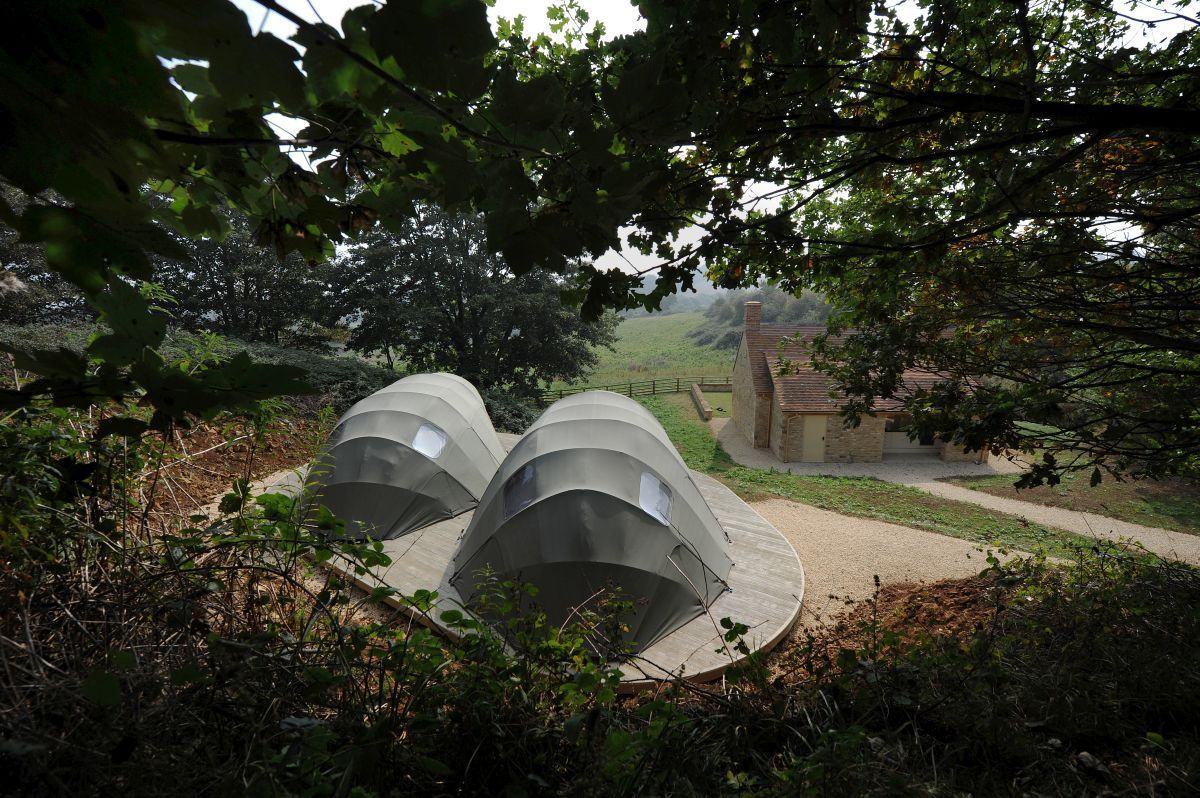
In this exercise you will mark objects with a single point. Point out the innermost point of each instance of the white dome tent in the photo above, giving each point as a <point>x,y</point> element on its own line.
<point>595,496</point>
<point>418,451</point>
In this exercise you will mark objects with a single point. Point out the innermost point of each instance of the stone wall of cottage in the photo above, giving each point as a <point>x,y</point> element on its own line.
<point>744,407</point>
<point>763,405</point>
<point>861,444</point>
<point>776,426</point>
<point>955,454</point>
<point>793,434</point>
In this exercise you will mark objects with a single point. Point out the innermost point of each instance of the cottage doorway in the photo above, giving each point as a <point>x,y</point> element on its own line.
<point>813,448</point>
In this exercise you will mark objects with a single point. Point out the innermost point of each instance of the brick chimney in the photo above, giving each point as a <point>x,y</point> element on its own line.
<point>753,315</point>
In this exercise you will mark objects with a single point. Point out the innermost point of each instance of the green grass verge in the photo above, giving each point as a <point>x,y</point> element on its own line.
<point>721,402</point>
<point>862,497</point>
<point>657,346</point>
<point>1167,503</point>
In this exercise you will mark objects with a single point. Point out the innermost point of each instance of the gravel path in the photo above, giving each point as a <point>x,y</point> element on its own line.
<point>842,555</point>
<point>1163,542</point>
<point>924,472</point>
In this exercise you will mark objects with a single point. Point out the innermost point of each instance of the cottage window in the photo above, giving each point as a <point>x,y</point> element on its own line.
<point>901,423</point>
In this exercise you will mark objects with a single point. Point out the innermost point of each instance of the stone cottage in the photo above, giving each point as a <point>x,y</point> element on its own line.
<point>795,414</point>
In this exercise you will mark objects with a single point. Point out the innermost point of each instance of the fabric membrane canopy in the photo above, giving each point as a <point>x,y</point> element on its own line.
<point>418,451</point>
<point>594,496</point>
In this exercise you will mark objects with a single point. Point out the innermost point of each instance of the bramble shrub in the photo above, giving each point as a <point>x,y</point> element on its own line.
<point>216,655</point>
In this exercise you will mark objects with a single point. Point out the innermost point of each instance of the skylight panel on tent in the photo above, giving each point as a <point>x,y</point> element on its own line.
<point>430,441</point>
<point>518,491</point>
<point>655,498</point>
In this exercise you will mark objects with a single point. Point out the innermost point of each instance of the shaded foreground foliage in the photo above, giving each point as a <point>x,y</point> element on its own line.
<point>216,656</point>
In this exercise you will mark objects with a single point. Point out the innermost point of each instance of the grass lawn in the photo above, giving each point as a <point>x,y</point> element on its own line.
<point>721,401</point>
<point>863,497</point>
<point>658,346</point>
<point>1167,503</point>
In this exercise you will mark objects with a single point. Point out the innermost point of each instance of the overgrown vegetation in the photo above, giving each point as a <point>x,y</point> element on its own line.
<point>864,497</point>
<point>213,656</point>
<point>337,381</point>
<point>158,650</point>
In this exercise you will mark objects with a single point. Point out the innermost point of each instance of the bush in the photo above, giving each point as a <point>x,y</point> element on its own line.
<point>218,659</point>
<point>47,336</point>
<point>339,381</point>
<point>510,412</point>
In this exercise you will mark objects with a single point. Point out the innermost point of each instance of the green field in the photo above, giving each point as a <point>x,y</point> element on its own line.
<point>658,346</point>
<point>720,401</point>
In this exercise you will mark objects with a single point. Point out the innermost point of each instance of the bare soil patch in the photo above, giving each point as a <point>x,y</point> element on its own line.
<point>203,462</point>
<point>893,619</point>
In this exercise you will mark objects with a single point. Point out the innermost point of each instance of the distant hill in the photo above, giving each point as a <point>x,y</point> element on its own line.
<point>723,318</point>
<point>700,299</point>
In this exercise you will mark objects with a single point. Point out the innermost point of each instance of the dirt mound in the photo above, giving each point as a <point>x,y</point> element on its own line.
<point>895,617</point>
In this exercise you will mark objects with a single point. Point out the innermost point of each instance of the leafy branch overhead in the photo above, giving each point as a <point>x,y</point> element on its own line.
<point>1020,175</point>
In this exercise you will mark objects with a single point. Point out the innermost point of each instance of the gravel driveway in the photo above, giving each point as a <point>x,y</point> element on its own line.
<point>842,555</point>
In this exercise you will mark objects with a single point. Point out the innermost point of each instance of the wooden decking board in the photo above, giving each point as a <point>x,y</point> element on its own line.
<point>767,582</point>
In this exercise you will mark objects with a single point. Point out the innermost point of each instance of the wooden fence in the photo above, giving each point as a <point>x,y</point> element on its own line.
<point>640,387</point>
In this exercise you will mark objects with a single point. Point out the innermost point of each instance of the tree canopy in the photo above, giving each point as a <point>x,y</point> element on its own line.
<point>238,288</point>
<point>433,293</point>
<point>1021,175</point>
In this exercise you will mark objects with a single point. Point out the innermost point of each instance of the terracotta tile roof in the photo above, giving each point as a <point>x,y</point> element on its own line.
<point>763,347</point>
<point>809,391</point>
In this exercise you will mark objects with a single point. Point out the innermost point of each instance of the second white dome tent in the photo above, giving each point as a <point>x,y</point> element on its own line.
<point>594,496</point>
<point>418,451</point>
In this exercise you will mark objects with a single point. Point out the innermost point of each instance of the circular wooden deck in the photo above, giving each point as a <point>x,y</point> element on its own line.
<point>766,587</point>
